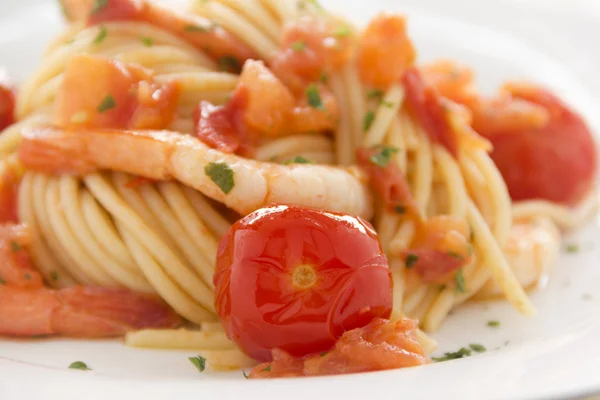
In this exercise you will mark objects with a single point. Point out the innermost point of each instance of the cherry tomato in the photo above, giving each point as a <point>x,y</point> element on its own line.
<point>555,162</point>
<point>7,104</point>
<point>297,279</point>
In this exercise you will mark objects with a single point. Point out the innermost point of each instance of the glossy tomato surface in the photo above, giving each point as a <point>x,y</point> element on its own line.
<point>297,279</point>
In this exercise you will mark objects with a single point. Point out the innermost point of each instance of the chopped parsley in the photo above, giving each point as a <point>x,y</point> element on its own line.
<point>368,120</point>
<point>229,64</point>
<point>455,255</point>
<point>411,260</point>
<point>197,28</point>
<point>461,353</point>
<point>199,362</point>
<point>493,324</point>
<point>28,277</point>
<point>102,34</point>
<point>384,156</point>
<point>400,210</point>
<point>54,275</point>
<point>107,103</point>
<point>267,369</point>
<point>298,46</point>
<point>460,281</point>
<point>375,94</point>
<point>2,281</point>
<point>245,374</point>
<point>323,354</point>
<point>79,365</point>
<point>221,174</point>
<point>470,249</point>
<point>477,347</point>
<point>99,5</point>
<point>64,10</point>
<point>314,97</point>
<point>148,42</point>
<point>324,78</point>
<point>15,246</point>
<point>572,248</point>
<point>388,104</point>
<point>342,31</point>
<point>298,160</point>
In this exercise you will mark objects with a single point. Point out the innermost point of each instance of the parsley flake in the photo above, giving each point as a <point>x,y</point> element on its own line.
<point>477,347</point>
<point>102,34</point>
<point>572,248</point>
<point>199,362</point>
<point>298,160</point>
<point>197,28</point>
<point>384,156</point>
<point>400,210</point>
<point>323,354</point>
<point>455,255</point>
<point>99,5</point>
<point>324,78</point>
<point>245,374</point>
<point>2,281</point>
<point>54,275</point>
<point>375,94</point>
<point>107,103</point>
<point>493,324</point>
<point>461,353</point>
<point>460,281</point>
<point>15,246</point>
<point>298,46</point>
<point>411,260</point>
<point>388,104</point>
<point>28,277</point>
<point>342,31</point>
<point>148,42</point>
<point>229,64</point>
<point>267,369</point>
<point>221,174</point>
<point>368,120</point>
<point>314,97</point>
<point>79,365</point>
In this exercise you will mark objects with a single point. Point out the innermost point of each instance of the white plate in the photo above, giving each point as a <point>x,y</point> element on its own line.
<point>555,355</point>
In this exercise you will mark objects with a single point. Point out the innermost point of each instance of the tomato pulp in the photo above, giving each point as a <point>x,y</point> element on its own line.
<point>296,279</point>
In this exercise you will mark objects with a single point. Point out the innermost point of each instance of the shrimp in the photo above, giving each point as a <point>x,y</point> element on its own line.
<point>531,251</point>
<point>27,308</point>
<point>241,184</point>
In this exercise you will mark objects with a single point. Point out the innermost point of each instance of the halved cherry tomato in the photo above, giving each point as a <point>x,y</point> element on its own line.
<point>556,161</point>
<point>7,102</point>
<point>296,279</point>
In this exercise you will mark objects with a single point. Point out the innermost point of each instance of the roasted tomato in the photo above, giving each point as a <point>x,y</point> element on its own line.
<point>7,102</point>
<point>549,155</point>
<point>296,279</point>
<point>378,346</point>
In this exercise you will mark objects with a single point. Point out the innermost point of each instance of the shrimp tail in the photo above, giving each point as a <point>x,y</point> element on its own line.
<point>88,312</point>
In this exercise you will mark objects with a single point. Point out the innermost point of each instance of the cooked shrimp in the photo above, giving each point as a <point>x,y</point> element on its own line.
<point>531,251</point>
<point>27,308</point>
<point>241,184</point>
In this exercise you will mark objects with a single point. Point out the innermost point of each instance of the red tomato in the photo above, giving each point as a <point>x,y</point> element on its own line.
<point>297,279</point>
<point>9,189</point>
<point>555,162</point>
<point>7,106</point>
<point>378,346</point>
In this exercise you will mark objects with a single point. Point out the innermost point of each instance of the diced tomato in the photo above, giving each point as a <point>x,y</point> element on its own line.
<point>385,51</point>
<point>388,181</point>
<point>440,248</point>
<point>201,32</point>
<point>543,149</point>
<point>9,189</point>
<point>7,102</point>
<point>311,46</point>
<point>296,278</point>
<point>223,127</point>
<point>426,105</point>
<point>116,95</point>
<point>16,269</point>
<point>381,345</point>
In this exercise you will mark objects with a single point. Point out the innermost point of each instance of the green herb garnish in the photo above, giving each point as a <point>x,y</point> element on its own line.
<point>477,347</point>
<point>99,5</point>
<point>54,275</point>
<point>493,324</point>
<point>298,160</point>
<point>388,104</point>
<point>572,248</point>
<point>15,246</point>
<point>102,33</point>
<point>221,174</point>
<point>368,120</point>
<point>324,354</point>
<point>79,365</point>
<point>314,97</point>
<point>455,255</point>
<point>199,362</point>
<point>460,281</point>
<point>197,28</point>
<point>461,353</point>
<point>400,210</point>
<point>324,78</point>
<point>107,103</point>
<point>2,281</point>
<point>411,260</point>
<point>267,369</point>
<point>375,93</point>
<point>298,46</point>
<point>148,42</point>
<point>384,156</point>
<point>342,31</point>
<point>245,374</point>
<point>229,64</point>
<point>28,277</point>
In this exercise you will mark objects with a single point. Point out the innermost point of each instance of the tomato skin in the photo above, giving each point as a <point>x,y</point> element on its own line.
<point>555,162</point>
<point>7,106</point>
<point>258,297</point>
